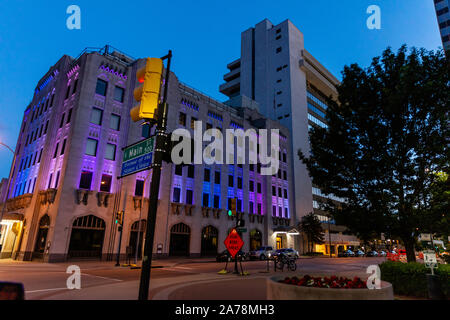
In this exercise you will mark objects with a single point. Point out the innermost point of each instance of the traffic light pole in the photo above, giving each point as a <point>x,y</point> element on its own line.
<point>154,188</point>
<point>120,242</point>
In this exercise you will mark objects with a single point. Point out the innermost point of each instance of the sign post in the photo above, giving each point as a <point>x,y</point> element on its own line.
<point>234,243</point>
<point>138,157</point>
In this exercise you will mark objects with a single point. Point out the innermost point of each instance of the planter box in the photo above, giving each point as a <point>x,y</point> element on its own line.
<point>283,291</point>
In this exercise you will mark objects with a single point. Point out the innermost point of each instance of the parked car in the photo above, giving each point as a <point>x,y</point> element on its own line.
<point>372,253</point>
<point>291,253</point>
<point>262,253</point>
<point>382,253</point>
<point>359,253</point>
<point>226,256</point>
<point>346,253</point>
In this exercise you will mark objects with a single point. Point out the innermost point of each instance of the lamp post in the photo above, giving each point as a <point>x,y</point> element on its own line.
<point>9,179</point>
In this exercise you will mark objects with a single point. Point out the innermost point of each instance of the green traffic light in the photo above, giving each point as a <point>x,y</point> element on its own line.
<point>230,213</point>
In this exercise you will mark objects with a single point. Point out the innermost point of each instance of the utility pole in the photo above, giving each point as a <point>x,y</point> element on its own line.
<point>154,188</point>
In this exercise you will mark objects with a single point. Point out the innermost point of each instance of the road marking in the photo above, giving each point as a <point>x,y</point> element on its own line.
<point>42,290</point>
<point>183,268</point>
<point>86,274</point>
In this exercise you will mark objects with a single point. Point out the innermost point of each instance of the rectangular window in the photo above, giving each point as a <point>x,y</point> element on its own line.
<point>46,127</point>
<point>96,116</point>
<point>286,213</point>
<point>182,119</point>
<point>216,201</point>
<point>205,200</point>
<point>239,182</point>
<point>56,151</point>
<point>40,131</point>
<point>101,87</point>
<point>63,148</point>
<point>274,211</point>
<point>110,151</point>
<point>179,170</point>
<point>57,180</point>
<point>280,211</point>
<point>67,92</point>
<point>207,175</point>
<point>34,184</point>
<point>105,184</point>
<point>284,175</point>
<point>279,192</point>
<point>250,207</point>
<point>119,94</point>
<point>35,158</point>
<point>251,186</point>
<point>50,181</point>
<point>239,205</point>
<point>274,191</point>
<point>259,208</point>
<point>40,155</point>
<point>75,85</point>
<point>217,177</point>
<point>191,171</point>
<point>139,189</point>
<point>285,194</point>
<point>176,194</point>
<point>230,180</point>
<point>52,100</point>
<point>114,123</point>
<point>192,122</point>
<point>259,187</point>
<point>69,116</point>
<point>91,147</point>
<point>189,196</point>
<point>252,167</point>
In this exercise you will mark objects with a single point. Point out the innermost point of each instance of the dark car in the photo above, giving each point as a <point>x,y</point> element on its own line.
<point>346,253</point>
<point>226,256</point>
<point>359,253</point>
<point>372,253</point>
<point>291,253</point>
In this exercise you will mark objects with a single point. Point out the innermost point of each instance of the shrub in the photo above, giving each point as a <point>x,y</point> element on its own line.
<point>410,278</point>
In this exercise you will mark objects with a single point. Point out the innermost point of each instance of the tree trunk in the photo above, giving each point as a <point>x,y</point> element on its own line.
<point>409,247</point>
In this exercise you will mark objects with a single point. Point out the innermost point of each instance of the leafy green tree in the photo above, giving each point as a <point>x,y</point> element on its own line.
<point>311,226</point>
<point>387,135</point>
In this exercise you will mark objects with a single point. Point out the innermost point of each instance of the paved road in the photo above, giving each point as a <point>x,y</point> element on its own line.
<point>174,279</point>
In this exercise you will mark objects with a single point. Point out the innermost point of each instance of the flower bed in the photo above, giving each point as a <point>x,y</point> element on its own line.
<point>325,288</point>
<point>325,282</point>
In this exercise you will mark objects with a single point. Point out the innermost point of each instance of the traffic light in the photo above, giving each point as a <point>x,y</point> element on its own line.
<point>232,210</point>
<point>119,217</point>
<point>148,93</point>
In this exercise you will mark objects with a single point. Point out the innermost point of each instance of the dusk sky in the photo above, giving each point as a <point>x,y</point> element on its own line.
<point>203,35</point>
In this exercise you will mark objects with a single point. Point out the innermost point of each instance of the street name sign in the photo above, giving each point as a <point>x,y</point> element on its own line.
<point>233,243</point>
<point>138,156</point>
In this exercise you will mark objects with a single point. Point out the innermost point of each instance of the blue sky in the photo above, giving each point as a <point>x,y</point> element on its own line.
<point>204,37</point>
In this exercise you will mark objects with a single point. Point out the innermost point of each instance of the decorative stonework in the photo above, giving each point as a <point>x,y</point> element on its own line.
<point>260,218</point>
<point>20,202</point>
<point>216,213</point>
<point>189,209</point>
<point>175,208</point>
<point>47,196</point>
<point>205,212</point>
<point>82,196</point>
<point>102,198</point>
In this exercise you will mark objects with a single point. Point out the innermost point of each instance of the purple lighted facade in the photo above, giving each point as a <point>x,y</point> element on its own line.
<point>65,191</point>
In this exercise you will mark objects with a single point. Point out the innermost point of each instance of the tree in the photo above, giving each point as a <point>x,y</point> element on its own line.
<point>312,228</point>
<point>387,136</point>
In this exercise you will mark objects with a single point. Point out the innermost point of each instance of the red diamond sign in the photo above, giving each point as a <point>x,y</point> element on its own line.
<point>233,243</point>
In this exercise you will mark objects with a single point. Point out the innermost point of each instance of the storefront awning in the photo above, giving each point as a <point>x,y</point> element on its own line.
<point>286,229</point>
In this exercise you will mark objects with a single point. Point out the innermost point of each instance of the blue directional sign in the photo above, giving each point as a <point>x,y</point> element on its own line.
<point>138,157</point>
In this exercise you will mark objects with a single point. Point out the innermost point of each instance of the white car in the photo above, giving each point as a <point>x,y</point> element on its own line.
<point>262,253</point>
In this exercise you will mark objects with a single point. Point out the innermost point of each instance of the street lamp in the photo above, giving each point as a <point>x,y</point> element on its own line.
<point>9,179</point>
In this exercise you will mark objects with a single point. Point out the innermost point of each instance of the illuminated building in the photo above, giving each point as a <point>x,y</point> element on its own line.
<point>290,86</point>
<point>64,191</point>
